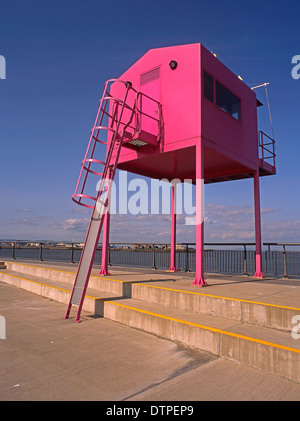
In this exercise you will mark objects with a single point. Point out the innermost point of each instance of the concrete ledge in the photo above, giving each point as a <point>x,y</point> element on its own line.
<point>275,317</point>
<point>263,314</point>
<point>186,300</point>
<point>166,327</point>
<point>52,292</point>
<point>244,311</point>
<point>270,357</point>
<point>278,360</point>
<point>101,283</point>
<point>266,356</point>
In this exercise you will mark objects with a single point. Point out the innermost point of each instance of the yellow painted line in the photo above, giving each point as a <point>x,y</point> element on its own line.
<point>64,271</point>
<point>36,282</point>
<point>212,329</point>
<point>171,289</point>
<point>110,279</point>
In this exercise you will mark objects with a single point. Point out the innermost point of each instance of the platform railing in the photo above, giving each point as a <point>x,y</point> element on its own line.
<point>266,148</point>
<point>279,259</point>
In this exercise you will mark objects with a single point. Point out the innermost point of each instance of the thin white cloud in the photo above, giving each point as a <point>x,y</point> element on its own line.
<point>73,224</point>
<point>221,224</point>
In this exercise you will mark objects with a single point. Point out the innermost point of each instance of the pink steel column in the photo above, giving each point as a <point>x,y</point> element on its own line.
<point>199,255</point>
<point>105,245</point>
<point>258,273</point>
<point>105,236</point>
<point>173,230</point>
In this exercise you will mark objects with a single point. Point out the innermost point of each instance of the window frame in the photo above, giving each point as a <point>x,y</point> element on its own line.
<point>213,87</point>
<point>214,102</point>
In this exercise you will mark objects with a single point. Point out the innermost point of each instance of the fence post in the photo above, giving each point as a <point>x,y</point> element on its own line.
<point>72,254</point>
<point>153,258</point>
<point>41,252</point>
<point>266,262</point>
<point>108,263</point>
<point>245,260</point>
<point>14,251</point>
<point>284,263</point>
<point>187,265</point>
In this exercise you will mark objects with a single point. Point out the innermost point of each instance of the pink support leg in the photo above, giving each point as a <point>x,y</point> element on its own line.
<point>173,231</point>
<point>199,256</point>
<point>258,273</point>
<point>105,245</point>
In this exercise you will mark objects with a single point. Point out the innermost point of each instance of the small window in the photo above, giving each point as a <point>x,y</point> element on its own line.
<point>208,87</point>
<point>227,101</point>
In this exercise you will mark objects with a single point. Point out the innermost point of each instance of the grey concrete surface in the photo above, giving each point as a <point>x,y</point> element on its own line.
<point>47,358</point>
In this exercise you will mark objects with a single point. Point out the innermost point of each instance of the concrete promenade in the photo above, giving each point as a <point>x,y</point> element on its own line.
<point>112,358</point>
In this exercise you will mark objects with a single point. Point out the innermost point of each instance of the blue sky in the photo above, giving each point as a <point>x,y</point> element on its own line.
<point>58,56</point>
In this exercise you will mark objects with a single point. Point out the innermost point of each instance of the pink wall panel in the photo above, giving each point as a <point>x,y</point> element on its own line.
<point>237,138</point>
<point>188,116</point>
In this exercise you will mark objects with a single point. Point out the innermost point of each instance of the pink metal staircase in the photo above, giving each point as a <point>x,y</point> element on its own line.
<point>117,124</point>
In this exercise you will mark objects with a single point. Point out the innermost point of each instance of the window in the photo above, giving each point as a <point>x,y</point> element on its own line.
<point>227,101</point>
<point>208,87</point>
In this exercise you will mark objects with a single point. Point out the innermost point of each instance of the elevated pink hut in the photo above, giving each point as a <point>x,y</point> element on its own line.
<point>184,115</point>
<point>209,128</point>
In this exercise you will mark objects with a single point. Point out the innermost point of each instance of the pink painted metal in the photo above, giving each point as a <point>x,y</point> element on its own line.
<point>199,278</point>
<point>172,267</point>
<point>200,138</point>
<point>187,116</point>
<point>105,245</point>
<point>266,150</point>
<point>116,129</point>
<point>258,273</point>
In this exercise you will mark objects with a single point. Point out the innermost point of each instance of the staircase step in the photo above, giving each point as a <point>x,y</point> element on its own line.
<point>245,311</point>
<point>270,350</point>
<point>263,348</point>
<point>62,273</point>
<point>177,297</point>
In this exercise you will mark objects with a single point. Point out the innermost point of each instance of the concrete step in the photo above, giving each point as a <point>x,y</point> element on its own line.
<point>2,265</point>
<point>62,273</point>
<point>266,349</point>
<point>244,311</point>
<point>171,295</point>
<point>270,350</point>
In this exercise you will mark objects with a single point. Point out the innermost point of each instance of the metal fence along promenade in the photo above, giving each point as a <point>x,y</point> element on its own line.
<point>279,259</point>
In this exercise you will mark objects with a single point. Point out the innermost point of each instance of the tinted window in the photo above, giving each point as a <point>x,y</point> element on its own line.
<point>228,102</point>
<point>208,87</point>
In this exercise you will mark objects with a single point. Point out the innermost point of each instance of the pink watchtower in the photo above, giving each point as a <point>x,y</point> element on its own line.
<point>178,113</point>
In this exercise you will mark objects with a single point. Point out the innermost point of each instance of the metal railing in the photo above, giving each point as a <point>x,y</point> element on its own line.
<point>266,147</point>
<point>278,259</point>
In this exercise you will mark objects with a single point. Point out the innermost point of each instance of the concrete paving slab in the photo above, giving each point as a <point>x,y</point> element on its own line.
<point>48,358</point>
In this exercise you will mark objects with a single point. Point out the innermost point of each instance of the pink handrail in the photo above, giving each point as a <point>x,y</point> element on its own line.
<point>116,127</point>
